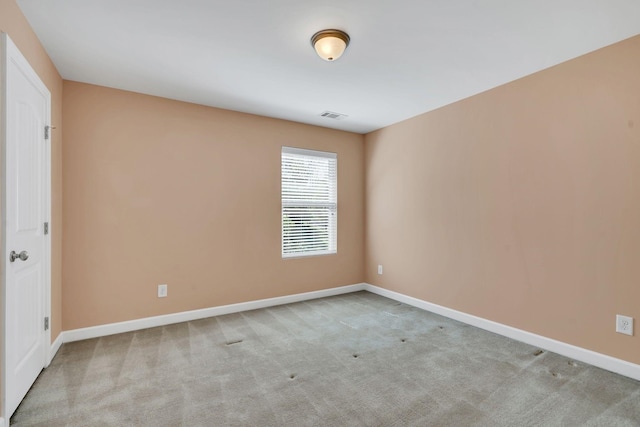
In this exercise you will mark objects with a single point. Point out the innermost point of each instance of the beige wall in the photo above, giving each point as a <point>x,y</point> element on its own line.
<point>521,204</point>
<point>16,26</point>
<point>160,191</point>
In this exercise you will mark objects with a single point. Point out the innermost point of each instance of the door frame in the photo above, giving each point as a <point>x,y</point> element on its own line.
<point>10,52</point>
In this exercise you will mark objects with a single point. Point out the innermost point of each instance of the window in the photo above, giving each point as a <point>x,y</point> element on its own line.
<point>309,202</point>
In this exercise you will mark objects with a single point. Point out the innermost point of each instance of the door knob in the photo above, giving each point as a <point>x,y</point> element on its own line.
<point>23,256</point>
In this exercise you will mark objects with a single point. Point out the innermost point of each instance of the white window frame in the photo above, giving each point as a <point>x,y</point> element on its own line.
<point>295,196</point>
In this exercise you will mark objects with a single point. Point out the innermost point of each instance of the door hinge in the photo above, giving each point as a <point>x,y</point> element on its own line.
<point>46,228</point>
<point>46,323</point>
<point>46,132</point>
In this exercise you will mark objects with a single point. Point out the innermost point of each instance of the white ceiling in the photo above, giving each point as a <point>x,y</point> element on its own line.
<point>406,56</point>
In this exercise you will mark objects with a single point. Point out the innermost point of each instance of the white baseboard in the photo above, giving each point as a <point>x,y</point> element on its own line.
<point>1,422</point>
<point>55,346</point>
<point>600,360</point>
<point>152,322</point>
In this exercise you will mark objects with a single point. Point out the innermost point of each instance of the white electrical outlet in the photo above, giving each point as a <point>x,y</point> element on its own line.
<point>379,268</point>
<point>162,291</point>
<point>624,324</point>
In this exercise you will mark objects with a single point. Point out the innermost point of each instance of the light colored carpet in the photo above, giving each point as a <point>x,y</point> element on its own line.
<point>352,360</point>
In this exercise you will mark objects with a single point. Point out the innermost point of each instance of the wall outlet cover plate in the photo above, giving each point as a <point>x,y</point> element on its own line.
<point>624,324</point>
<point>162,291</point>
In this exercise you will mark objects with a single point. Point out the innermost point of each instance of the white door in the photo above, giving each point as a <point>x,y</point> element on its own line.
<point>26,247</point>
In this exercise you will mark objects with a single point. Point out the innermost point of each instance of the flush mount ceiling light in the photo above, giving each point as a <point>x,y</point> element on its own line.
<point>330,44</point>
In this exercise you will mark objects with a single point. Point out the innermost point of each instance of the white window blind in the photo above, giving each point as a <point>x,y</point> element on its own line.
<point>309,202</point>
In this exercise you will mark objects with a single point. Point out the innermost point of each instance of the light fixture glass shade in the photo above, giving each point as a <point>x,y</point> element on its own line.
<point>330,44</point>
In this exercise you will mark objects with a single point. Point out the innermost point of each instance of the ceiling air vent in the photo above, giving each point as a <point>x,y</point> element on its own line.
<point>332,115</point>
